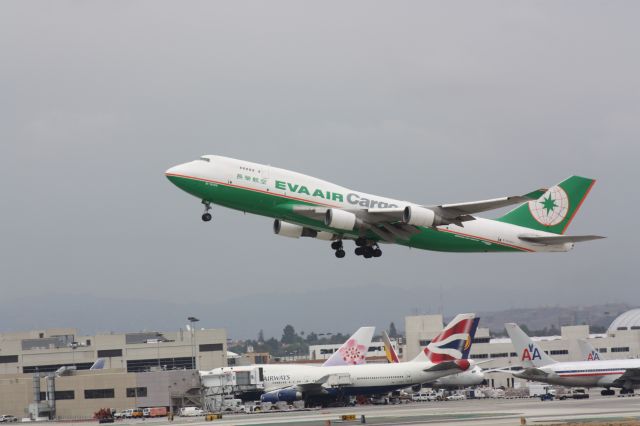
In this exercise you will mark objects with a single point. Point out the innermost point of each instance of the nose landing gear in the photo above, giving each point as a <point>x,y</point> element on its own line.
<point>206,216</point>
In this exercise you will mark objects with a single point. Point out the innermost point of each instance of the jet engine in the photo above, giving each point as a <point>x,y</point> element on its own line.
<point>286,229</point>
<point>419,216</point>
<point>340,219</point>
<point>416,388</point>
<point>286,395</point>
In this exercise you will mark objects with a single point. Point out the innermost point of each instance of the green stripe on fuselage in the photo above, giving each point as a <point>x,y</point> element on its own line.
<point>275,206</point>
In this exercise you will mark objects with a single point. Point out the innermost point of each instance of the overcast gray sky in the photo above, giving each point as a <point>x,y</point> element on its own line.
<point>426,101</point>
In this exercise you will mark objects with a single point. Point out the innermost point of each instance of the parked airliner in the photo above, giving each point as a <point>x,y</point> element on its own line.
<point>304,206</point>
<point>291,382</point>
<point>471,377</point>
<point>540,367</point>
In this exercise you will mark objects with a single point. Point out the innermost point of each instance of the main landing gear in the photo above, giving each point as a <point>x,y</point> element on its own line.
<point>608,392</point>
<point>338,247</point>
<point>206,216</point>
<point>367,249</point>
<point>624,391</point>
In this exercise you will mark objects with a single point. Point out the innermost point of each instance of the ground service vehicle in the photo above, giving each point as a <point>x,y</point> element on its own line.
<point>6,418</point>
<point>575,394</point>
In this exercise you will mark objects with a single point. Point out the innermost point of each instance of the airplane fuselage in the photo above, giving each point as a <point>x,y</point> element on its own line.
<point>362,379</point>
<point>274,192</point>
<point>587,373</point>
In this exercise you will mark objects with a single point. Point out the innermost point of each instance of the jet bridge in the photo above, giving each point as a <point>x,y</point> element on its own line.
<point>222,386</point>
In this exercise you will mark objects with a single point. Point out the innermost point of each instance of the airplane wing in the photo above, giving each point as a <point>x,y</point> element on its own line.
<point>387,224</point>
<point>531,373</point>
<point>452,211</point>
<point>631,375</point>
<point>315,387</point>
<point>558,239</point>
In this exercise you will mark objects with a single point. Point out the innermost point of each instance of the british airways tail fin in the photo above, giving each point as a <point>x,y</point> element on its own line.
<point>451,343</point>
<point>354,350</point>
<point>531,355</point>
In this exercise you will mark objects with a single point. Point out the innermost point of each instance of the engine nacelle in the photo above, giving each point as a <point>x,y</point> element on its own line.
<point>416,388</point>
<point>286,395</point>
<point>340,219</point>
<point>286,229</point>
<point>419,216</point>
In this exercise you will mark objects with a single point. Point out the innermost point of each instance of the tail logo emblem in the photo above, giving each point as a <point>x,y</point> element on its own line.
<point>593,356</point>
<point>353,353</point>
<point>551,208</point>
<point>530,353</point>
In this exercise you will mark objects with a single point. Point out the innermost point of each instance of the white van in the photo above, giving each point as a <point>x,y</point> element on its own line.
<point>190,412</point>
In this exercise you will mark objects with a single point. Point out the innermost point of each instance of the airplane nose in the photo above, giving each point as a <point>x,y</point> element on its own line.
<point>176,174</point>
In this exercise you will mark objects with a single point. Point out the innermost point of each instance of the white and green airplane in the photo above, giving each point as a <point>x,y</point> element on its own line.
<point>304,206</point>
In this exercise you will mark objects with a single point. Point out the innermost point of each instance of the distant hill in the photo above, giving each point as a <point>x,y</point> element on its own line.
<point>553,316</point>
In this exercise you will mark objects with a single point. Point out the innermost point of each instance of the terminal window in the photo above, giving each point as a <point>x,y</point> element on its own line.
<point>560,352</point>
<point>500,355</point>
<point>482,340</point>
<point>602,350</point>
<point>424,342</point>
<point>109,353</point>
<point>479,356</point>
<point>5,359</point>
<point>60,395</point>
<point>98,393</point>
<point>620,349</point>
<point>211,347</point>
<point>136,392</point>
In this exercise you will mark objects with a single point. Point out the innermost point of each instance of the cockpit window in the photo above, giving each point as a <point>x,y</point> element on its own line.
<point>205,159</point>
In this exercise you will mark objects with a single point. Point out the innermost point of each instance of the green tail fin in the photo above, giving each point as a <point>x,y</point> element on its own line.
<point>555,209</point>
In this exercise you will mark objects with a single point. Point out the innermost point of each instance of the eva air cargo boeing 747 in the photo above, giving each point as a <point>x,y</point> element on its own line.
<point>304,206</point>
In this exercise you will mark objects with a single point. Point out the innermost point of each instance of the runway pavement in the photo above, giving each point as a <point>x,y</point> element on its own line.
<point>470,412</point>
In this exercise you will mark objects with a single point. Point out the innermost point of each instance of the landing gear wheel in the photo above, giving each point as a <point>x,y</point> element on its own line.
<point>360,242</point>
<point>368,252</point>
<point>377,252</point>
<point>340,253</point>
<point>336,245</point>
<point>206,217</point>
<point>359,251</point>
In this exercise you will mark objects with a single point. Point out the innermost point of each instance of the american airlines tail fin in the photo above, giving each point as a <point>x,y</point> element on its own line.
<point>531,355</point>
<point>555,209</point>
<point>354,350</point>
<point>588,352</point>
<point>392,356</point>
<point>98,365</point>
<point>451,343</point>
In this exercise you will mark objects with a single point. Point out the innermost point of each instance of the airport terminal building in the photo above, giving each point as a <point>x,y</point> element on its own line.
<point>142,369</point>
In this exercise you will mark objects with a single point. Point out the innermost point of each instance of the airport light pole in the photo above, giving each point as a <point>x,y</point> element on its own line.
<point>192,321</point>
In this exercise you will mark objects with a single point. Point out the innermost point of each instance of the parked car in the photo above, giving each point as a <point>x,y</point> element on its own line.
<point>119,415</point>
<point>6,418</point>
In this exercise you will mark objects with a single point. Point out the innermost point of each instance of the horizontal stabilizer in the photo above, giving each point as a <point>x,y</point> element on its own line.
<point>558,239</point>
<point>458,364</point>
